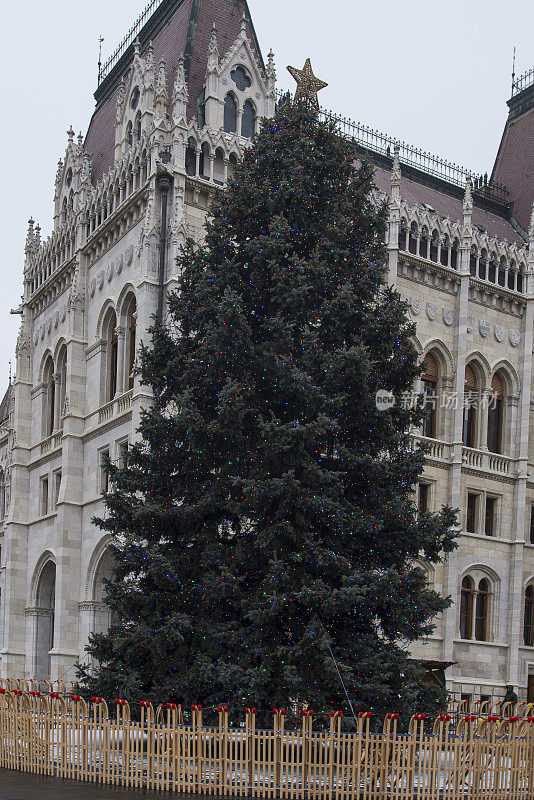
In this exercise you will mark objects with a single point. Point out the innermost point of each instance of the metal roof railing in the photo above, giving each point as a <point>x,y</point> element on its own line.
<point>128,39</point>
<point>523,81</point>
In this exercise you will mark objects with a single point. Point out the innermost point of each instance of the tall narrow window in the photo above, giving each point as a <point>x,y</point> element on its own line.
<point>138,126</point>
<point>43,500</point>
<point>248,121</point>
<point>466,609</point>
<point>423,243</point>
<point>470,407</point>
<point>129,134</point>
<point>528,625</point>
<point>430,391</point>
<point>191,157</point>
<point>57,486</point>
<point>423,497</point>
<point>495,415</point>
<point>230,114</point>
<point>111,354</point>
<point>131,342</point>
<point>2,494</point>
<point>471,512</point>
<point>114,345</point>
<point>402,234</point>
<point>481,611</point>
<point>412,240</point>
<point>104,471</point>
<point>489,519</point>
<point>531,537</point>
<point>49,404</point>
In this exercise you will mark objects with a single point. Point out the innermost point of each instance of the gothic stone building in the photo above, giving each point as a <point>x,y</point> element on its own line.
<point>175,107</point>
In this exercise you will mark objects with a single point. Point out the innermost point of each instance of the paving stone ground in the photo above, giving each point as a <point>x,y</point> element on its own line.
<point>21,786</point>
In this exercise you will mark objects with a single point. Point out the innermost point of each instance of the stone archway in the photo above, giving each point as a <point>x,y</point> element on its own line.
<point>44,628</point>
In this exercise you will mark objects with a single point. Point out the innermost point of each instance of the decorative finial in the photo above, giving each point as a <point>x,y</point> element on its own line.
<point>467,203</point>
<point>137,46</point>
<point>244,23</point>
<point>307,84</point>
<point>531,228</point>
<point>70,134</point>
<point>396,175</point>
<point>270,70</point>
<point>213,50</point>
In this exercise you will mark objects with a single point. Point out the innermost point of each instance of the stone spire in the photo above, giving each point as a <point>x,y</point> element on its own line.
<point>467,204</point>
<point>395,177</point>
<point>244,24</point>
<point>213,51</point>
<point>161,98</point>
<point>180,95</point>
<point>70,134</point>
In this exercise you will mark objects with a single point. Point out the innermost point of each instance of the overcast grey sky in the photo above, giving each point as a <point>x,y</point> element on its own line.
<point>436,74</point>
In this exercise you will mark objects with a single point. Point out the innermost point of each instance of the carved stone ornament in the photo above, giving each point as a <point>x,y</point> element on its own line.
<point>484,328</point>
<point>470,324</point>
<point>92,287</point>
<point>49,326</point>
<point>109,271</point>
<point>128,255</point>
<point>100,279</point>
<point>499,332</point>
<point>514,338</point>
<point>63,313</point>
<point>42,332</point>
<point>415,305</point>
<point>448,316</point>
<point>56,319</point>
<point>119,265</point>
<point>431,311</point>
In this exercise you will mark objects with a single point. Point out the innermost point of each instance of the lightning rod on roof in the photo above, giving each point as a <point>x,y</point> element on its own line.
<point>513,71</point>
<point>100,40</point>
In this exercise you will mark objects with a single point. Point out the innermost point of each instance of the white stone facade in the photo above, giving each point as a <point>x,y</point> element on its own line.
<point>90,293</point>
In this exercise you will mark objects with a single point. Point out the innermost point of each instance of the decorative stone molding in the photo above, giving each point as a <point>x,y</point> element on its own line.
<point>128,255</point>
<point>484,328</point>
<point>514,337</point>
<point>448,316</point>
<point>415,305</point>
<point>470,324</point>
<point>92,287</point>
<point>34,611</point>
<point>100,279</point>
<point>109,271</point>
<point>431,311</point>
<point>499,332</point>
<point>92,605</point>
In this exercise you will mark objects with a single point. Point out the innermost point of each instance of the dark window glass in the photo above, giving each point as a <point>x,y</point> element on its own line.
<point>528,626</point>
<point>422,499</point>
<point>248,120</point>
<point>230,114</point>
<point>466,609</point>
<point>531,524</point>
<point>481,612</point>
<point>471,515</point>
<point>134,100</point>
<point>489,521</point>
<point>402,235</point>
<point>240,78</point>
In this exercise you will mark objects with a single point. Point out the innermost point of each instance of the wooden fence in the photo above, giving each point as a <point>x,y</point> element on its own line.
<point>61,735</point>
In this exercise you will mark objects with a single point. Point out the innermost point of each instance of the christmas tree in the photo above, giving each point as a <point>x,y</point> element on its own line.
<point>264,526</point>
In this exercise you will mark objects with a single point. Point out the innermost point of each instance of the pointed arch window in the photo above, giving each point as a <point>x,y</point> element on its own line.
<point>138,126</point>
<point>473,261</point>
<point>482,265</point>
<point>429,382</point>
<point>528,623</point>
<point>111,352</point>
<point>402,234</point>
<point>444,255</point>
<point>470,407</point>
<point>412,241</point>
<point>230,113</point>
<point>423,243</point>
<point>49,398</point>
<point>466,608</point>
<point>191,157</point>
<point>481,611</point>
<point>129,134</point>
<point>495,415</point>
<point>248,121</point>
<point>62,384</point>
<point>454,254</point>
<point>434,245</point>
<point>131,322</point>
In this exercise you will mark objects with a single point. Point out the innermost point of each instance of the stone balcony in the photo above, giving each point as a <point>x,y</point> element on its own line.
<point>440,452</point>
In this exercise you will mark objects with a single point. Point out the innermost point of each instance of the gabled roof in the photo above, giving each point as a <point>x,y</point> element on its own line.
<point>176,28</point>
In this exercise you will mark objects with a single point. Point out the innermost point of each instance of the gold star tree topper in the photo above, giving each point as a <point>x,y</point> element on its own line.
<point>307,84</point>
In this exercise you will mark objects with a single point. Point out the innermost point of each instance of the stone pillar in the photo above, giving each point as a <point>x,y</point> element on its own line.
<point>450,571</point>
<point>121,359</point>
<point>394,219</point>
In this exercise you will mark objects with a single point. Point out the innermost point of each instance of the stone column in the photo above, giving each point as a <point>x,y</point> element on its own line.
<point>121,359</point>
<point>394,219</point>
<point>451,576</point>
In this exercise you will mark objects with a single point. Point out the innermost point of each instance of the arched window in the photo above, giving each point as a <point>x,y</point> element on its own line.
<point>434,243</point>
<point>232,164</point>
<point>423,243</point>
<point>129,134</point>
<point>2,494</point>
<point>501,279</point>
<point>138,126</point>
<point>444,256</point>
<point>44,628</point>
<point>191,157</point>
<point>429,381</point>
<point>248,120</point>
<point>511,275</point>
<point>482,264</point>
<point>112,347</point>
<point>470,407</point>
<point>62,383</point>
<point>454,254</point>
<point>466,608</point>
<point>492,269</point>
<point>495,415</point>
<point>402,234</point>
<point>473,261</point>
<point>204,161</point>
<point>519,277</point>
<point>218,166</point>
<point>481,611</point>
<point>528,624</point>
<point>230,114</point>
<point>49,397</point>
<point>412,242</point>
<point>131,321</point>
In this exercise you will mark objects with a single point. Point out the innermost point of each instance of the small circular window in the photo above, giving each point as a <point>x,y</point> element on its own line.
<point>134,99</point>
<point>240,78</point>
<point>68,177</point>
